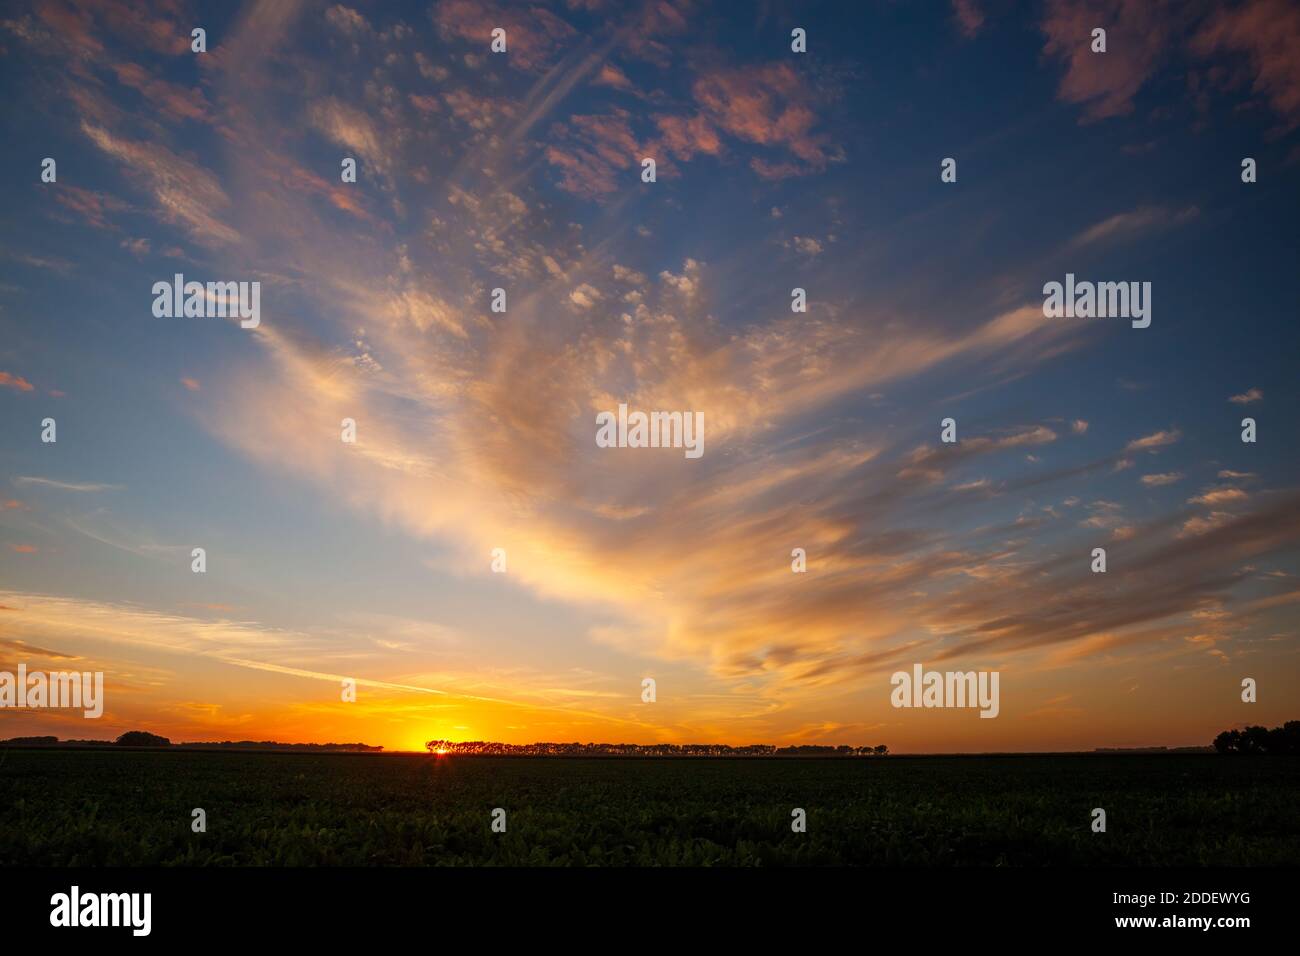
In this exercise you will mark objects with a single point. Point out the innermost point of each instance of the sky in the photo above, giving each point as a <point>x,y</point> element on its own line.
<point>373,560</point>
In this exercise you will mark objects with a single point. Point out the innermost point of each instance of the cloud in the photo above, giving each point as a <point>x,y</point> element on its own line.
<point>1105,514</point>
<point>618,522</point>
<point>1137,222</point>
<point>347,21</point>
<point>685,137</point>
<point>686,282</point>
<point>137,247</point>
<point>1267,34</point>
<point>79,486</point>
<point>126,640</point>
<point>1143,34</point>
<point>478,112</point>
<point>585,296</point>
<point>1138,32</point>
<point>1160,480</point>
<point>1203,524</point>
<point>186,195</point>
<point>351,128</point>
<point>161,29</point>
<point>16,382</point>
<point>596,153</point>
<point>611,76</point>
<point>968,15</point>
<point>1160,439</point>
<point>94,208</point>
<point>630,276</point>
<point>769,106</point>
<point>1219,496</point>
<point>535,37</point>
<point>171,100</point>
<point>1247,397</point>
<point>192,384</point>
<point>53,263</point>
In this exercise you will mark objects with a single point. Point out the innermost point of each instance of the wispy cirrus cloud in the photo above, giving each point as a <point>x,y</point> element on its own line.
<point>1134,223</point>
<point>78,486</point>
<point>185,194</point>
<point>94,208</point>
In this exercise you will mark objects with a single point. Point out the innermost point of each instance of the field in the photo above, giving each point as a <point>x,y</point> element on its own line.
<point>87,807</point>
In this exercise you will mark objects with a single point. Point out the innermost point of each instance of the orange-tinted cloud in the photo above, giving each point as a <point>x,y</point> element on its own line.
<point>162,27</point>
<point>596,153</point>
<point>478,112</point>
<point>768,106</point>
<point>93,207</point>
<point>15,382</point>
<point>175,102</point>
<point>1137,32</point>
<point>535,36</point>
<point>685,137</point>
<point>610,75</point>
<point>1267,33</point>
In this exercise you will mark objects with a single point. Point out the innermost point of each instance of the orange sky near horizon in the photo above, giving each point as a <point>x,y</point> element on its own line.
<point>1053,704</point>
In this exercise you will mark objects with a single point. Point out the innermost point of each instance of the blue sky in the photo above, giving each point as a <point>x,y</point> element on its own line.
<point>775,169</point>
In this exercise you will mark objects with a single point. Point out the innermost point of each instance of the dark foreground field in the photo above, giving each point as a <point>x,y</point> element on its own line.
<point>134,808</point>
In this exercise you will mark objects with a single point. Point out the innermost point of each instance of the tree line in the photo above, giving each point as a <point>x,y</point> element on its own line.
<point>491,748</point>
<point>142,738</point>
<point>1260,740</point>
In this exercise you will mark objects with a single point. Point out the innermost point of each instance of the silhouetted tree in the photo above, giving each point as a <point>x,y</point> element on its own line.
<point>1285,739</point>
<point>1228,742</point>
<point>140,738</point>
<point>1254,740</point>
<point>1260,740</point>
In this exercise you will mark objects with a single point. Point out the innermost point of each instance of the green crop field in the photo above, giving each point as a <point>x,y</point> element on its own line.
<point>114,807</point>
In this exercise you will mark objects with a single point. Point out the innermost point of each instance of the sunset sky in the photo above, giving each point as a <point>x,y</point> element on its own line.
<point>475,430</point>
